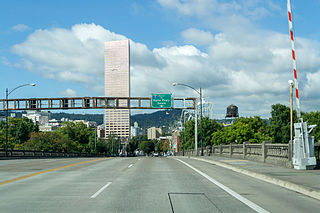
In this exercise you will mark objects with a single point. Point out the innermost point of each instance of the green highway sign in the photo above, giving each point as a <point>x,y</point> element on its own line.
<point>161,101</point>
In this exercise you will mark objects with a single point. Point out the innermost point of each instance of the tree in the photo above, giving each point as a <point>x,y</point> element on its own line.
<point>80,134</point>
<point>280,123</point>
<point>19,130</point>
<point>113,144</point>
<point>133,144</point>
<point>254,130</point>
<point>208,127</point>
<point>146,146</point>
<point>46,141</point>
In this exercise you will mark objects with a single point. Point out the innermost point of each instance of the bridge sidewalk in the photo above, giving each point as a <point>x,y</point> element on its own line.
<point>306,182</point>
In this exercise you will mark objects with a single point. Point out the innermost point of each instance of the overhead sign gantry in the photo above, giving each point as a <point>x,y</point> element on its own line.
<point>92,103</point>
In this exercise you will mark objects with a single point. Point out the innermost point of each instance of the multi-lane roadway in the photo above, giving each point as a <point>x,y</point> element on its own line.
<point>140,184</point>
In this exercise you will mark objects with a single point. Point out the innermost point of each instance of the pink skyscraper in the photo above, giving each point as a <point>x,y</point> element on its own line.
<point>117,84</point>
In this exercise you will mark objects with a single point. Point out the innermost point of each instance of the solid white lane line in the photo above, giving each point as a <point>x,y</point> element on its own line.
<point>228,190</point>
<point>130,165</point>
<point>100,190</point>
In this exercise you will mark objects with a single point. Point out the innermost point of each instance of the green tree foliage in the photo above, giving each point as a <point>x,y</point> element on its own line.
<point>102,146</point>
<point>19,130</point>
<point>80,135</point>
<point>46,141</point>
<point>280,123</point>
<point>133,145</point>
<point>146,146</point>
<point>188,134</point>
<point>253,130</point>
<point>208,127</point>
<point>113,144</point>
<point>161,145</point>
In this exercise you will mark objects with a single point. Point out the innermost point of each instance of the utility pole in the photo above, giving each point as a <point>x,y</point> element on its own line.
<point>291,110</point>
<point>7,122</point>
<point>67,136</point>
<point>201,121</point>
<point>95,141</point>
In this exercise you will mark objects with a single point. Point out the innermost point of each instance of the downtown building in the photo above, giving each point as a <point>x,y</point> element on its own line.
<point>117,84</point>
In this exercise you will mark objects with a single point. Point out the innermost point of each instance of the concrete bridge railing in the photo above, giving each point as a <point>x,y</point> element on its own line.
<point>278,154</point>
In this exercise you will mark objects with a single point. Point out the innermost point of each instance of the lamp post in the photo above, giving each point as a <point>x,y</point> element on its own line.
<point>95,141</point>
<point>291,110</point>
<point>200,93</point>
<point>7,107</point>
<point>182,129</point>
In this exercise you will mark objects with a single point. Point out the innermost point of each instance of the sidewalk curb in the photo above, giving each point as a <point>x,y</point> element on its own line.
<point>285,184</point>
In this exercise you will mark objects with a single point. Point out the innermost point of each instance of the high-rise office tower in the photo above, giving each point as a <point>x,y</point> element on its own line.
<point>117,84</point>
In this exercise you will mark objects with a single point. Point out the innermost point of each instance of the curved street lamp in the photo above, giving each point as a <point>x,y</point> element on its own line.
<point>7,94</point>
<point>200,93</point>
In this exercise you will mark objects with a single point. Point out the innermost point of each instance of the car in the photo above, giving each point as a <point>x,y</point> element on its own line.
<point>155,154</point>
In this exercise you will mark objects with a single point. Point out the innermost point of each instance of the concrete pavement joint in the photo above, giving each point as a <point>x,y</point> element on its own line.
<point>45,171</point>
<point>285,184</point>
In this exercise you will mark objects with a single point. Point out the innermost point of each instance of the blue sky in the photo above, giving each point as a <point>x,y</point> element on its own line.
<point>238,51</point>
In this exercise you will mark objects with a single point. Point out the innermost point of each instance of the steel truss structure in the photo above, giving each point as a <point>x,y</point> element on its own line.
<point>91,103</point>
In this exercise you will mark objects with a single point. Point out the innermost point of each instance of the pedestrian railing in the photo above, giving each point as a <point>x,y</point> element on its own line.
<point>278,154</point>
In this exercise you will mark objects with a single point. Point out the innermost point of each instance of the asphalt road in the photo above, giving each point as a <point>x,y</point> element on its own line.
<point>141,184</point>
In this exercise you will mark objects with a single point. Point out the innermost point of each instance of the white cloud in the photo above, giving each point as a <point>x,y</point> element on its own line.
<point>77,54</point>
<point>20,27</point>
<point>199,7</point>
<point>68,92</point>
<point>198,37</point>
<point>5,61</point>
<point>237,63</point>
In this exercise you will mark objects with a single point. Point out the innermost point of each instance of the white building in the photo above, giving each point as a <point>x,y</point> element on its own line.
<point>38,117</point>
<point>154,133</point>
<point>135,130</point>
<point>117,84</point>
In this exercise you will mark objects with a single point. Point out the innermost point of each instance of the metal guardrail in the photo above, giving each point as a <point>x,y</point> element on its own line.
<point>45,154</point>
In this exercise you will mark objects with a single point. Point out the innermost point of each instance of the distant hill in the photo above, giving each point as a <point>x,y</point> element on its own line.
<point>98,118</point>
<point>71,116</point>
<point>161,118</point>
<point>157,119</point>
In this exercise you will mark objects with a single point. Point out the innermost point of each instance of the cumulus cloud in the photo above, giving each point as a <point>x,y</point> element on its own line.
<point>20,27</point>
<point>77,54</point>
<point>196,36</point>
<point>68,92</point>
<point>248,67</point>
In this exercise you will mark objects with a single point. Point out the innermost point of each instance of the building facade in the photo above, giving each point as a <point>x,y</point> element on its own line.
<point>135,130</point>
<point>176,141</point>
<point>117,84</point>
<point>154,133</point>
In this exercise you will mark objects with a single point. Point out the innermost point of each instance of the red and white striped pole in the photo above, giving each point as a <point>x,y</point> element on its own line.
<point>294,59</point>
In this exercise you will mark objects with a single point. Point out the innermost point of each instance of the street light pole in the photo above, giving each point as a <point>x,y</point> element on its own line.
<point>200,93</point>
<point>95,141</point>
<point>291,110</point>
<point>201,121</point>
<point>6,122</point>
<point>7,108</point>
